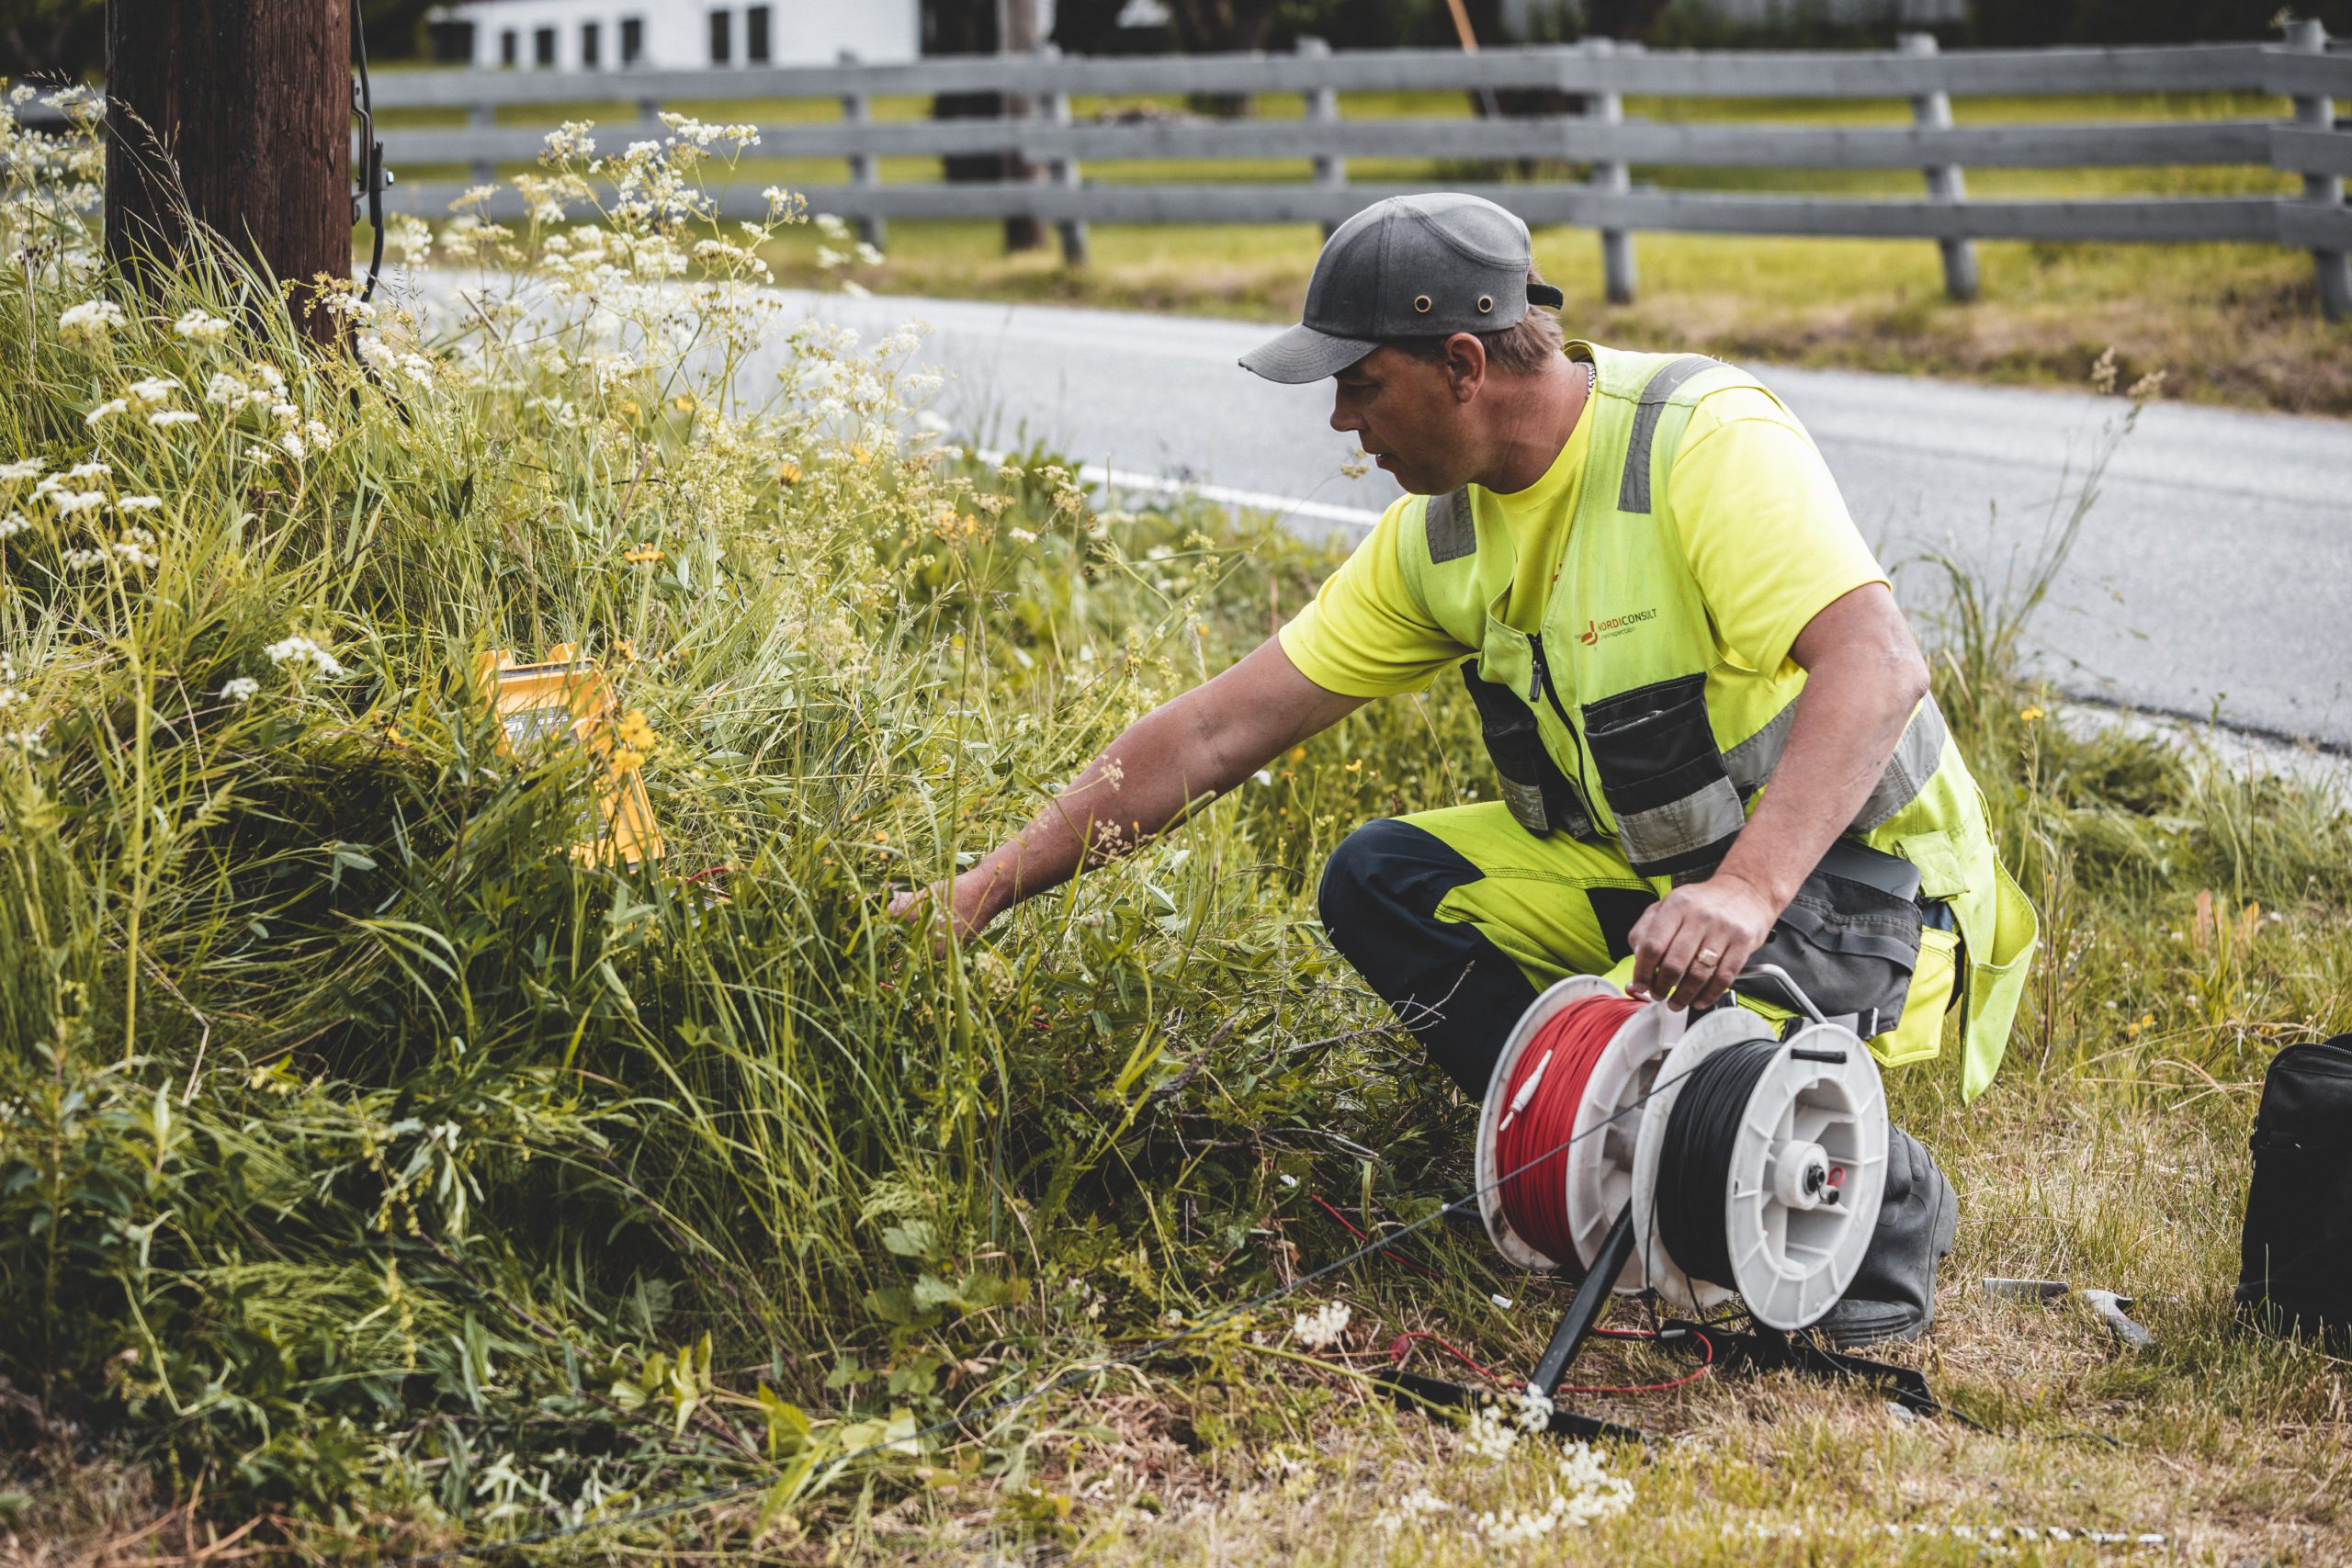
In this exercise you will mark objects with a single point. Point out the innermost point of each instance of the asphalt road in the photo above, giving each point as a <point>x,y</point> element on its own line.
<point>2213,574</point>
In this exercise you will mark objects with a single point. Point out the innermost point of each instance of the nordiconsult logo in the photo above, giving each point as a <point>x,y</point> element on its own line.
<point>1595,630</point>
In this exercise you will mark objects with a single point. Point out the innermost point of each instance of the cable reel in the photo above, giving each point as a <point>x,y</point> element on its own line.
<point>1793,1133</point>
<point>1801,1180</point>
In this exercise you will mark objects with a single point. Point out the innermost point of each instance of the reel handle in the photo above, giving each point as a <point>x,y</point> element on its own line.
<point>1780,976</point>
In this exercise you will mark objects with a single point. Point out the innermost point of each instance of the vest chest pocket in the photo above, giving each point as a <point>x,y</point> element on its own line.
<point>1503,683</point>
<point>1677,808</point>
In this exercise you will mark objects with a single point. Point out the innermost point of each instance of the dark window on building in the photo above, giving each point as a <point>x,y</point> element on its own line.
<point>632,39</point>
<point>508,45</point>
<point>722,35</point>
<point>543,46</point>
<point>592,45</point>
<point>755,34</point>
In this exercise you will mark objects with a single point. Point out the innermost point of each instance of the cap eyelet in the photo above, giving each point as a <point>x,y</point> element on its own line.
<point>1421,303</point>
<point>1485,303</point>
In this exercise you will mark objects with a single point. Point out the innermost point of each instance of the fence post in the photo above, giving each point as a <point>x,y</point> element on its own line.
<point>862,175</point>
<point>2334,267</point>
<point>480,114</point>
<point>1323,108</point>
<point>1945,182</point>
<point>1608,107</point>
<point>1053,106</point>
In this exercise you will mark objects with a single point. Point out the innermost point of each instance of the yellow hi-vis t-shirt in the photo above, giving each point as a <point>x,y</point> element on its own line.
<point>1767,536</point>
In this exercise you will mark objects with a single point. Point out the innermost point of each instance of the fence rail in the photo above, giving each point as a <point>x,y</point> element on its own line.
<point>1593,78</point>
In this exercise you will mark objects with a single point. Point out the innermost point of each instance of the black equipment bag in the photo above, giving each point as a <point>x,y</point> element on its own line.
<point>2295,1274</point>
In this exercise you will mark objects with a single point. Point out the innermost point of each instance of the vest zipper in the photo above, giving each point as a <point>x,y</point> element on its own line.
<point>1543,679</point>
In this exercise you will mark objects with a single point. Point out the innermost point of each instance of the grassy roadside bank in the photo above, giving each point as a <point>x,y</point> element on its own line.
<point>377,1176</point>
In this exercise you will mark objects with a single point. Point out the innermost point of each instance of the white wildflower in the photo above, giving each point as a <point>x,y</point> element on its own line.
<point>300,649</point>
<point>197,326</point>
<point>1584,1494</point>
<point>1321,1327</point>
<point>13,525</point>
<point>82,559</point>
<point>226,390</point>
<point>88,471</point>
<point>68,501</point>
<point>1534,1411</point>
<point>139,504</point>
<point>1414,1508</point>
<point>23,469</point>
<point>90,320</point>
<point>1489,1436</point>
<point>239,690</point>
<point>106,411</point>
<point>831,226</point>
<point>171,417</point>
<point>868,254</point>
<point>153,392</point>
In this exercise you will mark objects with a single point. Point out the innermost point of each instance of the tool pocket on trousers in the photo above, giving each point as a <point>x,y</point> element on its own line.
<point>1851,948</point>
<point>1935,978</point>
<point>1537,792</point>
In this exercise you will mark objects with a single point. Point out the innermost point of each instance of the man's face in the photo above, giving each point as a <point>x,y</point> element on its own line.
<point>1410,417</point>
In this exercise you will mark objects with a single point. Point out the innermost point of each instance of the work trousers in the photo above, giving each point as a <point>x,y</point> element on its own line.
<point>1458,917</point>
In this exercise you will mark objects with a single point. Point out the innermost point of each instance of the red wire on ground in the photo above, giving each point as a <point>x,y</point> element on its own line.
<point>1402,1346</point>
<point>1534,1195</point>
<point>1388,1252</point>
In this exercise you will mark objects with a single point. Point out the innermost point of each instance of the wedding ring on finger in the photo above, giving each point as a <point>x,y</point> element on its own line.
<point>1707,958</point>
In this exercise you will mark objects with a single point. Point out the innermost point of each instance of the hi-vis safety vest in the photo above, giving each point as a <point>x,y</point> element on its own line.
<point>1657,741</point>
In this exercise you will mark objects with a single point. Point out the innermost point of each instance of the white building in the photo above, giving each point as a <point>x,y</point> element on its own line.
<point>674,35</point>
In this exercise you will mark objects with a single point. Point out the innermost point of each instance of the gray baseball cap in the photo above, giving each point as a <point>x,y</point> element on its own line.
<point>1409,267</point>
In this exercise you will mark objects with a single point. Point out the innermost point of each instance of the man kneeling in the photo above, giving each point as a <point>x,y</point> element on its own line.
<point>1710,718</point>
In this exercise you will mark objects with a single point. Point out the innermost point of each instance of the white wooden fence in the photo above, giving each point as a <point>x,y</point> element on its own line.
<point>2310,144</point>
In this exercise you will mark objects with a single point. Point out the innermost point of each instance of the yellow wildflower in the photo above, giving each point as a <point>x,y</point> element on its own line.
<point>2030,712</point>
<point>642,555</point>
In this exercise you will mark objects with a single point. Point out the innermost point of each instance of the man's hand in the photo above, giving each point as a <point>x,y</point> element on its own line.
<point>960,899</point>
<point>1689,946</point>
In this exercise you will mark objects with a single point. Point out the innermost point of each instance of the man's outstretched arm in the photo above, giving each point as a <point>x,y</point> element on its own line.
<point>1169,763</point>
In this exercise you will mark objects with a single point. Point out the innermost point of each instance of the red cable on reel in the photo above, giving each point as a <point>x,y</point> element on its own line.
<point>1532,1140</point>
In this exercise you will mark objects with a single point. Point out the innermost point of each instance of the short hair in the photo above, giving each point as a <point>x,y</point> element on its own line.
<point>1523,347</point>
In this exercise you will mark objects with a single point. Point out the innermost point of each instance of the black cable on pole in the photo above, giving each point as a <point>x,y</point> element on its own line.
<point>1694,1163</point>
<point>371,153</point>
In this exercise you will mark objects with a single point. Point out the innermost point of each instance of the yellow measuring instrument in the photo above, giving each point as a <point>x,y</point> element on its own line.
<point>565,699</point>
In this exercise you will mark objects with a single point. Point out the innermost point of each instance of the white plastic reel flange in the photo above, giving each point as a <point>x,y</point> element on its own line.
<point>1725,1026</point>
<point>1555,1000</point>
<point>1807,1174</point>
<point>1609,1128</point>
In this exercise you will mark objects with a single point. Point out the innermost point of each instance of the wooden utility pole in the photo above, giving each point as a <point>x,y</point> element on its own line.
<point>231,117</point>
<point>1017,37</point>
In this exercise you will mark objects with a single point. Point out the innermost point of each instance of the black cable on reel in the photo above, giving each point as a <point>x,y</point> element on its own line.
<point>1694,1167</point>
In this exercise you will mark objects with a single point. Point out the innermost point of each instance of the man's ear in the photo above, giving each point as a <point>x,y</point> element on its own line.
<point>1466,365</point>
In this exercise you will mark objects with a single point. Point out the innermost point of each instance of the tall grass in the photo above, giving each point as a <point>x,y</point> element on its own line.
<point>373,1163</point>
